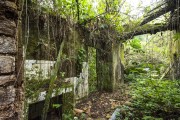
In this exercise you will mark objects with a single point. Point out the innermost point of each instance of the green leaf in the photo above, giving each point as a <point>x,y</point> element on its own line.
<point>56,105</point>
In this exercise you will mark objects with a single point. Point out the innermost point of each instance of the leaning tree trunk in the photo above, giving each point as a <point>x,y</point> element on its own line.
<point>10,68</point>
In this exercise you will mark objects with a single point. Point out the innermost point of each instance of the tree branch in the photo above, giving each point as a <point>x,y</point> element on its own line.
<point>148,30</point>
<point>156,14</point>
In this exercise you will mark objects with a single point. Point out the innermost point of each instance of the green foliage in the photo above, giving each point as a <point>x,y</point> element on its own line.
<point>67,116</point>
<point>147,9</point>
<point>56,105</point>
<point>151,118</point>
<point>156,98</point>
<point>81,57</point>
<point>135,43</point>
<point>86,10</point>
<point>147,56</point>
<point>92,78</point>
<point>35,81</point>
<point>83,116</point>
<point>152,99</point>
<point>177,36</point>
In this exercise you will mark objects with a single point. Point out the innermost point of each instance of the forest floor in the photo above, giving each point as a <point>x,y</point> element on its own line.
<point>101,105</point>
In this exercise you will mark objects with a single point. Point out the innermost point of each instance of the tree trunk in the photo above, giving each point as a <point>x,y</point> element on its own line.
<point>10,74</point>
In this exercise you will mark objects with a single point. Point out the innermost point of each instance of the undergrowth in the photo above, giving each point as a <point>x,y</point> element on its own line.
<point>148,63</point>
<point>153,99</point>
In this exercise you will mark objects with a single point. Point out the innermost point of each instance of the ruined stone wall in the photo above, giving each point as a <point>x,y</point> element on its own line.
<point>46,33</point>
<point>117,65</point>
<point>10,85</point>
<point>176,60</point>
<point>109,66</point>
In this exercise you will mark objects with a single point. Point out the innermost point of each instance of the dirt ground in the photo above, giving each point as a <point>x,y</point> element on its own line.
<point>101,105</point>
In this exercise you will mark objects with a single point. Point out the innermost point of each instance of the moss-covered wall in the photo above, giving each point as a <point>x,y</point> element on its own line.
<point>43,41</point>
<point>44,34</point>
<point>175,56</point>
<point>109,67</point>
<point>117,64</point>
